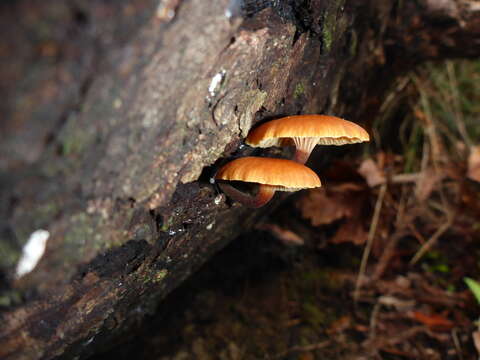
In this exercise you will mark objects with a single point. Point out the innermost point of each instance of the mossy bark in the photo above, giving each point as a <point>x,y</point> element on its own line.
<point>118,172</point>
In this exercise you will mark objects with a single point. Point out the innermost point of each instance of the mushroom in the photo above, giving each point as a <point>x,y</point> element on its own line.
<point>306,131</point>
<point>272,175</point>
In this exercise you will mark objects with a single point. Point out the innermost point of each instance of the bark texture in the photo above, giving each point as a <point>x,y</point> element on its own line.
<point>117,117</point>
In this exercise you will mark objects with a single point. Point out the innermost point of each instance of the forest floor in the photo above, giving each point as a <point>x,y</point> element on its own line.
<point>374,265</point>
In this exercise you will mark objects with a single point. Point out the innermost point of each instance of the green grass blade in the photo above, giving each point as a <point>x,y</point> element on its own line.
<point>474,287</point>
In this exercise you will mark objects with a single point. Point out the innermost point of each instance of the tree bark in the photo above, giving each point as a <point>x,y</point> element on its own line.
<point>133,120</point>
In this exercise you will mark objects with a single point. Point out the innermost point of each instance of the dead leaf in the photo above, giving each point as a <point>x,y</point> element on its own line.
<point>323,208</point>
<point>349,186</point>
<point>433,321</point>
<point>284,235</point>
<point>361,328</point>
<point>293,322</point>
<point>340,201</point>
<point>306,356</point>
<point>371,173</point>
<point>339,325</point>
<point>426,183</point>
<point>473,172</point>
<point>476,340</point>
<point>351,231</point>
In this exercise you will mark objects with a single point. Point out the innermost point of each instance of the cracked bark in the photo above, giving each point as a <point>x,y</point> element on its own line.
<point>116,165</point>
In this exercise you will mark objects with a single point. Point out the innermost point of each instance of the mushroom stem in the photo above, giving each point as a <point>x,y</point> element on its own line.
<point>304,147</point>
<point>301,156</point>
<point>264,195</point>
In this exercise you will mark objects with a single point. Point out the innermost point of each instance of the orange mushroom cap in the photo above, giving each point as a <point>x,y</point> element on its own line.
<point>327,130</point>
<point>285,175</point>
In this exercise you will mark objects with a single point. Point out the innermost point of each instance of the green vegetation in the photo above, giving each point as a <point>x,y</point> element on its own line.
<point>299,90</point>
<point>474,287</point>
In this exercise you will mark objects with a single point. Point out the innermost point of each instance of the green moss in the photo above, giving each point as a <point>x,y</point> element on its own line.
<point>327,39</point>
<point>166,225</point>
<point>318,316</point>
<point>160,275</point>
<point>148,276</point>
<point>78,233</point>
<point>330,27</point>
<point>74,138</point>
<point>323,278</point>
<point>299,90</point>
<point>82,234</point>
<point>5,301</point>
<point>314,315</point>
<point>44,213</point>
<point>9,254</point>
<point>10,298</point>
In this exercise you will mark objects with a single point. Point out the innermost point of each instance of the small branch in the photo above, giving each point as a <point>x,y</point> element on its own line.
<point>432,241</point>
<point>371,236</point>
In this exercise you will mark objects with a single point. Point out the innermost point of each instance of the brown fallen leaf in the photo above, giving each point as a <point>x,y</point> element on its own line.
<point>371,173</point>
<point>433,321</point>
<point>323,208</point>
<point>394,351</point>
<point>361,328</point>
<point>476,340</point>
<point>342,201</point>
<point>306,356</point>
<point>351,231</point>
<point>339,325</point>
<point>284,235</point>
<point>473,172</point>
<point>426,183</point>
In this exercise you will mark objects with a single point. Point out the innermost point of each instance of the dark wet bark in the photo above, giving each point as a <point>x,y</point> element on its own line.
<point>113,124</point>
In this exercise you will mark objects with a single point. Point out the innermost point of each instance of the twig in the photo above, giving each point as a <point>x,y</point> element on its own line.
<point>400,225</point>
<point>458,118</point>
<point>405,178</point>
<point>430,128</point>
<point>371,236</point>
<point>402,205</point>
<point>458,345</point>
<point>433,239</point>
<point>387,254</point>
<point>380,342</point>
<point>373,320</point>
<point>416,234</point>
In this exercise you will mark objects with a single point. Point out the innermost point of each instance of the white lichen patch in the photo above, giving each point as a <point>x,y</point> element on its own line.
<point>117,103</point>
<point>218,199</point>
<point>210,226</point>
<point>216,83</point>
<point>32,252</point>
<point>234,8</point>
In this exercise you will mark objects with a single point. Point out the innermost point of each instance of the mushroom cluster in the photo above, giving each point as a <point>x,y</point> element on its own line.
<point>303,131</point>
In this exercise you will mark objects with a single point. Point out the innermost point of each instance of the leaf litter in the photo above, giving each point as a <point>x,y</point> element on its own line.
<point>379,258</point>
<point>420,239</point>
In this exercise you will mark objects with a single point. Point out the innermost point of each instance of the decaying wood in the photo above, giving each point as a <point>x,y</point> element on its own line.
<point>119,172</point>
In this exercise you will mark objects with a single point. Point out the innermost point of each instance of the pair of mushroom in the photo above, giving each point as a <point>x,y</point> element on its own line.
<point>303,131</point>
